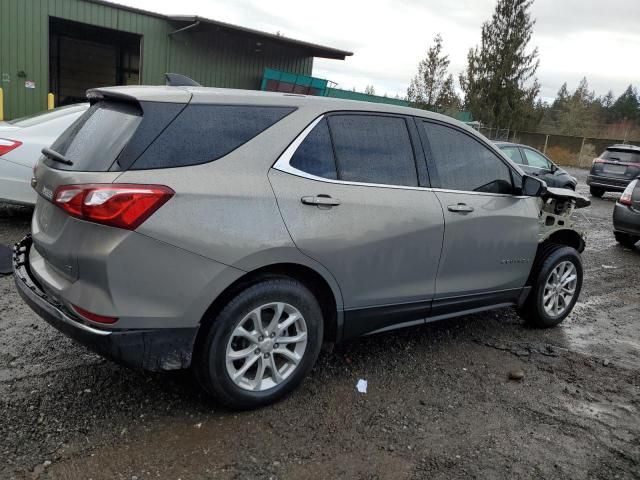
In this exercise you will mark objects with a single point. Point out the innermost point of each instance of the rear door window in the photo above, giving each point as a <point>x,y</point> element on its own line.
<point>463,163</point>
<point>95,140</point>
<point>513,153</point>
<point>373,149</point>
<point>536,160</point>
<point>203,133</point>
<point>315,153</point>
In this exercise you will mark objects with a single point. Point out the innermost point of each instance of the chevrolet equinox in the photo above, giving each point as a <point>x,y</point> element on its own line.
<point>233,232</point>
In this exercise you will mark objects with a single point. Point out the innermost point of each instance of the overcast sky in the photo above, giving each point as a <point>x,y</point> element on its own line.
<point>599,39</point>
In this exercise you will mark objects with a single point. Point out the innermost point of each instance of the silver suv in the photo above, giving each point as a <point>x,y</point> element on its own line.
<point>233,232</point>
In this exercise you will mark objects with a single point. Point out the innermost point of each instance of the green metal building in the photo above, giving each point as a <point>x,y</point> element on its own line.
<point>66,46</point>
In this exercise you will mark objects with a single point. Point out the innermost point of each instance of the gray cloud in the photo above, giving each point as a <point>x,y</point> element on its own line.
<point>558,18</point>
<point>576,38</point>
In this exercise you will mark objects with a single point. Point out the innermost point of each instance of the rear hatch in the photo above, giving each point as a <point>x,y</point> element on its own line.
<point>618,162</point>
<point>95,150</point>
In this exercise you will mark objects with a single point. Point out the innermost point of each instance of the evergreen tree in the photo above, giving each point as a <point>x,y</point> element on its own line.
<point>627,105</point>
<point>579,112</point>
<point>433,88</point>
<point>562,97</point>
<point>607,100</point>
<point>499,84</point>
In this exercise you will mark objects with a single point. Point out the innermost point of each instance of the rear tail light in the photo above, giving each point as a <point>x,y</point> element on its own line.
<point>94,317</point>
<point>7,145</point>
<point>625,199</point>
<point>598,160</point>
<point>117,205</point>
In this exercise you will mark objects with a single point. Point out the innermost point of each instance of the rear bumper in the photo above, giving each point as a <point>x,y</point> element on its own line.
<point>626,220</point>
<point>148,349</point>
<point>608,183</point>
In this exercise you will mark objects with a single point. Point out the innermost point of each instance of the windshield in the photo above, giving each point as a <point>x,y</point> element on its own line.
<point>625,156</point>
<point>47,115</point>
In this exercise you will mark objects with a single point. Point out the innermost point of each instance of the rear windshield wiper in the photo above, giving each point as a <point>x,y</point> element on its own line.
<point>55,156</point>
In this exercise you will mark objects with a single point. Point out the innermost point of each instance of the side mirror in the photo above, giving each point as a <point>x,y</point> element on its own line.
<point>533,187</point>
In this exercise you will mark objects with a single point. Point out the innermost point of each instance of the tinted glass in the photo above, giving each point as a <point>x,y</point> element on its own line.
<point>315,153</point>
<point>202,133</point>
<point>621,156</point>
<point>463,163</point>
<point>513,153</point>
<point>373,149</point>
<point>95,140</point>
<point>534,159</point>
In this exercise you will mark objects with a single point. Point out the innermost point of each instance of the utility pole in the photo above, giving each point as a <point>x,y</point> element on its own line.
<point>580,154</point>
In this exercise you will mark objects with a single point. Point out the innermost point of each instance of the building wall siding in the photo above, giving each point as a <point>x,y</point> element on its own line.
<point>207,54</point>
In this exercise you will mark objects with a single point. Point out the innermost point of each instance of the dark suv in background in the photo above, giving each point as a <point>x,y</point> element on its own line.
<point>626,215</point>
<point>614,169</point>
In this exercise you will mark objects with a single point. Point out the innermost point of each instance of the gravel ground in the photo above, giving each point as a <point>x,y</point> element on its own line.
<point>440,403</point>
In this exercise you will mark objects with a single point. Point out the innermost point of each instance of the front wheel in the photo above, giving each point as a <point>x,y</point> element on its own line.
<point>261,345</point>
<point>556,282</point>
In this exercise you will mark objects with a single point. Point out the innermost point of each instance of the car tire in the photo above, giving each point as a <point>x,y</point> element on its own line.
<point>221,342</point>
<point>543,307</point>
<point>625,239</point>
<point>570,186</point>
<point>597,192</point>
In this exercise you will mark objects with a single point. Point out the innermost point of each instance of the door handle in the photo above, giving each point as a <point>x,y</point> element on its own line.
<point>321,201</point>
<point>460,208</point>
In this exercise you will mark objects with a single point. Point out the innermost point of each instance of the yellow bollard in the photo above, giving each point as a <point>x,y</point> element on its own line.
<point>50,101</point>
<point>1,105</point>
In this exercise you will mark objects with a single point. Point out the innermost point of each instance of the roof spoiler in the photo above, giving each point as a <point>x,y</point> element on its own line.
<point>177,80</point>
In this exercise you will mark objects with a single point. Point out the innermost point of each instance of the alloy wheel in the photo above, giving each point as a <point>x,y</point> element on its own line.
<point>266,346</point>
<point>560,289</point>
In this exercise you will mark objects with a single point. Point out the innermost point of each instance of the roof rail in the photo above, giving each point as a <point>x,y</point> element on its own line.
<point>177,80</point>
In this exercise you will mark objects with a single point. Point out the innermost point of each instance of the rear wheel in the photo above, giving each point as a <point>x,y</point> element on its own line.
<point>261,345</point>
<point>625,239</point>
<point>556,284</point>
<point>597,191</point>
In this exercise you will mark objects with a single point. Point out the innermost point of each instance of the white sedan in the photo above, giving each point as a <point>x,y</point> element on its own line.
<point>21,142</point>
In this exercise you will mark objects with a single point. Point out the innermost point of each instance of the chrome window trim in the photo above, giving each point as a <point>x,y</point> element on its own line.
<point>283,165</point>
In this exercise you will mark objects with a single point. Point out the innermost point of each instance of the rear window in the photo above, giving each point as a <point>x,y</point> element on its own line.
<point>621,156</point>
<point>202,133</point>
<point>95,140</point>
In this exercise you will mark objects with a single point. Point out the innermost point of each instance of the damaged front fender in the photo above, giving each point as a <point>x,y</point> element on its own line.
<point>556,217</point>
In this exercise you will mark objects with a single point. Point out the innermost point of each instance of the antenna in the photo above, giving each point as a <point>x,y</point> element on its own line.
<point>178,80</point>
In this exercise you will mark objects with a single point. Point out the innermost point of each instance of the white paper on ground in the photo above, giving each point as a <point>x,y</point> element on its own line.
<point>362,386</point>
